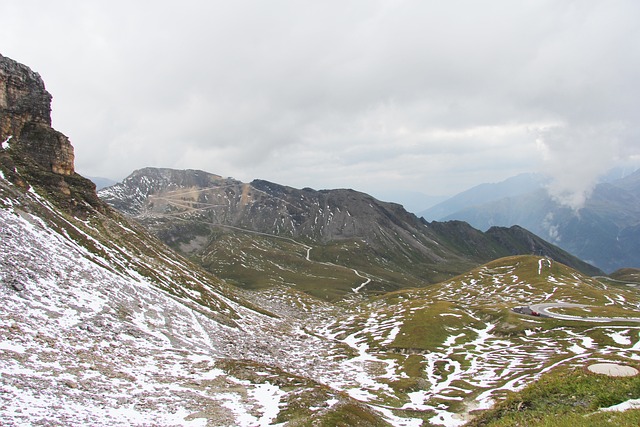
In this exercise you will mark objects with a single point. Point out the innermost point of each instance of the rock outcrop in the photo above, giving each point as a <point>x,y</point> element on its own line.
<point>32,153</point>
<point>25,119</point>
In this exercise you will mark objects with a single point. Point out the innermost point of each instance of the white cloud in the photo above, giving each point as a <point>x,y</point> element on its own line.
<point>434,97</point>
<point>576,156</point>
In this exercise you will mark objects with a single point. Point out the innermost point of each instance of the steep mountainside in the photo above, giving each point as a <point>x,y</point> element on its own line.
<point>102,324</point>
<point>605,232</point>
<point>291,236</point>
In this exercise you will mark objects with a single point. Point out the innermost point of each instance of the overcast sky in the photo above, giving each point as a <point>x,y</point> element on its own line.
<point>425,96</point>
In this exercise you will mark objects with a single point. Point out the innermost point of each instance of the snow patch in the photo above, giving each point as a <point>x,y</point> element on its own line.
<point>5,143</point>
<point>11,346</point>
<point>624,406</point>
<point>268,396</point>
<point>620,337</point>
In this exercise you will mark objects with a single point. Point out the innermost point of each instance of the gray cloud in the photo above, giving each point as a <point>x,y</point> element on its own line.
<point>425,96</point>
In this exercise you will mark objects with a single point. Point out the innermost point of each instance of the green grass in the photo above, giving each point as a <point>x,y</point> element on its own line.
<point>631,275</point>
<point>346,415</point>
<point>426,328</point>
<point>305,403</point>
<point>566,397</point>
<point>257,262</point>
<point>596,311</point>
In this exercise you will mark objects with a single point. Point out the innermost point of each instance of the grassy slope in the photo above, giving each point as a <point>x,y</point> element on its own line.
<point>492,290</point>
<point>631,275</point>
<point>255,261</point>
<point>448,335</point>
<point>566,398</point>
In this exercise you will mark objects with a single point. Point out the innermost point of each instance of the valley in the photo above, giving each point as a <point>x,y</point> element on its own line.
<point>428,356</point>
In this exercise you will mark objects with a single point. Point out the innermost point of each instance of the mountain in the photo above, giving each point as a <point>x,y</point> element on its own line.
<point>103,324</point>
<point>605,232</point>
<point>262,233</point>
<point>483,194</point>
<point>101,182</point>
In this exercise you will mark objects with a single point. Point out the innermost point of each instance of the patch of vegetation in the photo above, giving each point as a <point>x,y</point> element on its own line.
<point>566,397</point>
<point>631,275</point>
<point>253,261</point>
<point>427,328</point>
<point>306,403</point>
<point>346,415</point>
<point>393,267</point>
<point>596,311</point>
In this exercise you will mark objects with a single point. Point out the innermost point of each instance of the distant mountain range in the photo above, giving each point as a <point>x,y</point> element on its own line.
<point>605,232</point>
<point>484,194</point>
<point>235,229</point>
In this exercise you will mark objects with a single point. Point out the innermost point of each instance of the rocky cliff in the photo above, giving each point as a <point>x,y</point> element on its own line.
<point>30,147</point>
<point>25,118</point>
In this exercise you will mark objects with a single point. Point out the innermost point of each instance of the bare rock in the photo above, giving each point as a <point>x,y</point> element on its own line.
<point>25,119</point>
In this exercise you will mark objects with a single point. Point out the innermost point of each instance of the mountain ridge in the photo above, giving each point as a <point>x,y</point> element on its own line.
<point>484,193</point>
<point>190,209</point>
<point>604,232</point>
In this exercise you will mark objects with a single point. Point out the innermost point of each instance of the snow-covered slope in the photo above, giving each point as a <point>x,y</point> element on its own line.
<point>85,340</point>
<point>84,345</point>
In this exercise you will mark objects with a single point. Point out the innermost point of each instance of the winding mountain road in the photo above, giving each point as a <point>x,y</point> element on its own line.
<point>307,248</point>
<point>544,310</point>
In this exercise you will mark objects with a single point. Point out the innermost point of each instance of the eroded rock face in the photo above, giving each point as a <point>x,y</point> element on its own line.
<point>25,119</point>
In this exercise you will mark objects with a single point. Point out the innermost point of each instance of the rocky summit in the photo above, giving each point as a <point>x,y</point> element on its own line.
<point>31,151</point>
<point>25,119</point>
